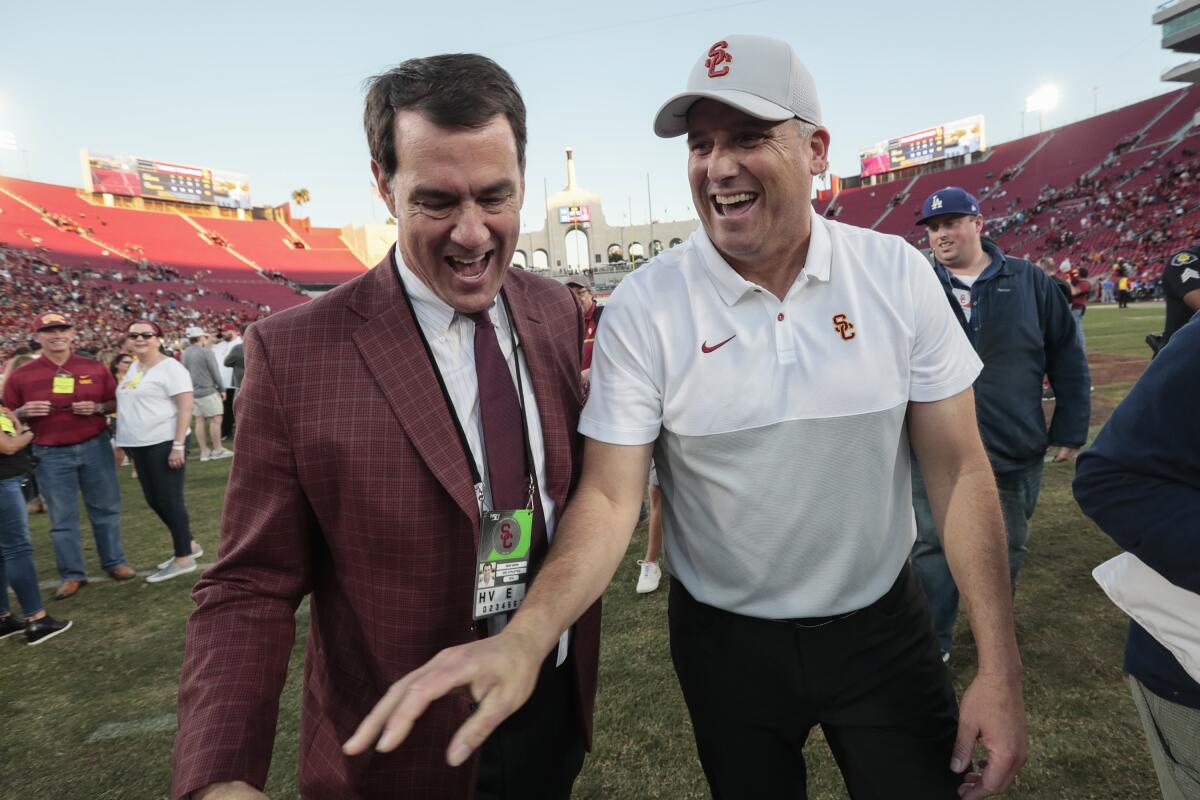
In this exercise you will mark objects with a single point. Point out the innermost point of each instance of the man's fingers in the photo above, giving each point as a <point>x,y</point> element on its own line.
<point>999,771</point>
<point>407,700</point>
<point>495,706</point>
<point>369,729</point>
<point>964,745</point>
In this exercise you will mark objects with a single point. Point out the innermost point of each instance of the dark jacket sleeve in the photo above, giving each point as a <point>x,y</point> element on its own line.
<point>1140,481</point>
<point>234,357</point>
<point>1066,367</point>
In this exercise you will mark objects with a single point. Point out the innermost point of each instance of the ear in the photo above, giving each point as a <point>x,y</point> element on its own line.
<point>978,223</point>
<point>818,150</point>
<point>384,188</point>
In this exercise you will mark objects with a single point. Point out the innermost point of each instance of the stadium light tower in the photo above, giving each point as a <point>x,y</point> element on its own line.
<point>1044,99</point>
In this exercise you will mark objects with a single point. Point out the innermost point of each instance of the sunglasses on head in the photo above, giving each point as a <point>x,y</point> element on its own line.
<point>141,335</point>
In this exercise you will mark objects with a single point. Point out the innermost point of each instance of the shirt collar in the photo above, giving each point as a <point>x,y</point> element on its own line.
<point>733,287</point>
<point>434,313</point>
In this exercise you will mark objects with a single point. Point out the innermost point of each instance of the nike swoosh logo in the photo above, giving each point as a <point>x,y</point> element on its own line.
<point>704,348</point>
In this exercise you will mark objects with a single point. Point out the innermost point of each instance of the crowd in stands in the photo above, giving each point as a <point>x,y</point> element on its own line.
<point>102,304</point>
<point>1093,222</point>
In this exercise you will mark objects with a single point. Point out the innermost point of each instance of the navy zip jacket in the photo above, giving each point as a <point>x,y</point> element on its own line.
<point>1022,329</point>
<point>1140,482</point>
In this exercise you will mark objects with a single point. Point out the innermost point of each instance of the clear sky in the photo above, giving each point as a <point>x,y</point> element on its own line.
<point>274,90</point>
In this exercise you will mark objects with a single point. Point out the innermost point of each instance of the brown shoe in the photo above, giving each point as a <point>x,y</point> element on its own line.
<point>122,573</point>
<point>69,589</point>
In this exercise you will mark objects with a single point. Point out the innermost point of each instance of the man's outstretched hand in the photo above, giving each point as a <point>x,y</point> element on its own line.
<point>499,672</point>
<point>993,713</point>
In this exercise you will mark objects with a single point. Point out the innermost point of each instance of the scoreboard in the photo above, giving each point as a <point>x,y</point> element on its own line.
<point>948,140</point>
<point>132,176</point>
<point>163,181</point>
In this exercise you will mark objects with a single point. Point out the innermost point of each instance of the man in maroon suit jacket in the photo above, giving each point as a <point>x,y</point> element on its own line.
<point>351,484</point>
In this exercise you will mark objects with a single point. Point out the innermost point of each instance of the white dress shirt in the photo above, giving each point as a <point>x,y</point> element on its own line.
<point>451,338</point>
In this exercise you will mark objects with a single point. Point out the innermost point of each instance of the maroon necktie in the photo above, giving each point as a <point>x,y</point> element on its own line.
<point>503,434</point>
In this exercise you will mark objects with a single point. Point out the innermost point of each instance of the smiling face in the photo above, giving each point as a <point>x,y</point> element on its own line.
<point>56,342</point>
<point>751,181</point>
<point>141,346</point>
<point>955,240</point>
<point>456,196</point>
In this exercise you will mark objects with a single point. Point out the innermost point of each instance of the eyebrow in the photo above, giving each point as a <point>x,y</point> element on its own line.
<point>429,193</point>
<point>758,125</point>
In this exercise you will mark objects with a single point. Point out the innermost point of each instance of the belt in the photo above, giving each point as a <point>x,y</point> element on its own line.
<point>72,444</point>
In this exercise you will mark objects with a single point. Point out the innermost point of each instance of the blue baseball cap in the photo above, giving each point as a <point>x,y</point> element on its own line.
<point>951,200</point>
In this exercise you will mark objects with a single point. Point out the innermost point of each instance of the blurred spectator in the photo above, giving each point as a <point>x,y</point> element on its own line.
<point>207,394</point>
<point>1081,289</point>
<point>155,409</point>
<point>16,547</point>
<point>118,365</point>
<point>228,339</point>
<point>65,398</point>
<point>1181,284</point>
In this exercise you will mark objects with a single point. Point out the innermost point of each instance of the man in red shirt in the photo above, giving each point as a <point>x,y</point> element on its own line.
<point>1081,287</point>
<point>591,318</point>
<point>64,398</point>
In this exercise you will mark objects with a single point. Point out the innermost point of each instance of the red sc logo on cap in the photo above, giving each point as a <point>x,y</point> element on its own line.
<point>718,55</point>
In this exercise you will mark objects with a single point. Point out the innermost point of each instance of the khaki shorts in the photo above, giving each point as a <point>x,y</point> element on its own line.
<point>210,406</point>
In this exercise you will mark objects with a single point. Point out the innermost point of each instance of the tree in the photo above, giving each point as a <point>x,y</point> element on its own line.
<point>300,197</point>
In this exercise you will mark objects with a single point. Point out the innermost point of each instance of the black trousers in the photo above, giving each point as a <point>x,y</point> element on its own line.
<point>163,489</point>
<point>874,681</point>
<point>227,420</point>
<point>537,753</point>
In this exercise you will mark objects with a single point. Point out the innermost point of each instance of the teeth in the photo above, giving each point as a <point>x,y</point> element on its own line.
<point>730,199</point>
<point>474,260</point>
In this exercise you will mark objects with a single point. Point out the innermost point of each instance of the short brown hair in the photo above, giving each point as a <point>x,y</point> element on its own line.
<point>457,89</point>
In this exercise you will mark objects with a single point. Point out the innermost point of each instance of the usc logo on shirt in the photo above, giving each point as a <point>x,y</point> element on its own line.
<point>844,327</point>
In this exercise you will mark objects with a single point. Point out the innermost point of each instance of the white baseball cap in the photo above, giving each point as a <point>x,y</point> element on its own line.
<point>755,74</point>
<point>194,331</point>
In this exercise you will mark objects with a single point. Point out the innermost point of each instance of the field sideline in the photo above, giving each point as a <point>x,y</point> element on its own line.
<point>91,714</point>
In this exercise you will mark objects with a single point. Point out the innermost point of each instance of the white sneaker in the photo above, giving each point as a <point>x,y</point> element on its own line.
<point>217,455</point>
<point>199,551</point>
<point>206,456</point>
<point>172,570</point>
<point>648,580</point>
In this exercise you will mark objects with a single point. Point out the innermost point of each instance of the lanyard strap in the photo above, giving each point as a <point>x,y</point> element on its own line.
<point>476,478</point>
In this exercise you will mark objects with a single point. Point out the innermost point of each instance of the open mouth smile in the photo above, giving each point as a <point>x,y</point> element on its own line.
<point>472,267</point>
<point>733,205</point>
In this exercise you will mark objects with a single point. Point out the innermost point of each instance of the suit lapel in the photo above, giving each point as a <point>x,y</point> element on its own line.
<point>536,347</point>
<point>391,347</point>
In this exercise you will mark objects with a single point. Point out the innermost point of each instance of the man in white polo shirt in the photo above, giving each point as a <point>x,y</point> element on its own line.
<point>778,365</point>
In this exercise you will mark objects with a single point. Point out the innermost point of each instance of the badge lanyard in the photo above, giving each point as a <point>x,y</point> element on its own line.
<point>476,478</point>
<point>502,566</point>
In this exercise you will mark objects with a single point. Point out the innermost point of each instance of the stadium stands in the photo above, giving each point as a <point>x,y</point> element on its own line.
<point>1117,187</point>
<point>224,249</point>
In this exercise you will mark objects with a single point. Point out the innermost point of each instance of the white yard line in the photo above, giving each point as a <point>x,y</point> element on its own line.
<point>119,730</point>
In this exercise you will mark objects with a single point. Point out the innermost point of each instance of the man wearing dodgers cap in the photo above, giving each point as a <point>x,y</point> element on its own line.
<point>1020,325</point>
<point>778,366</point>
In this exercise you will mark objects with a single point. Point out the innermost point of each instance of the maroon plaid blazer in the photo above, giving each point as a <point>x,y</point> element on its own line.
<point>350,485</point>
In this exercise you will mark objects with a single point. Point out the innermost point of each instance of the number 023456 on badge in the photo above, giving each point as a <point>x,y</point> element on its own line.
<point>502,568</point>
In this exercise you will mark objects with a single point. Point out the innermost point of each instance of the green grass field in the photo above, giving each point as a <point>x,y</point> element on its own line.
<point>91,713</point>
